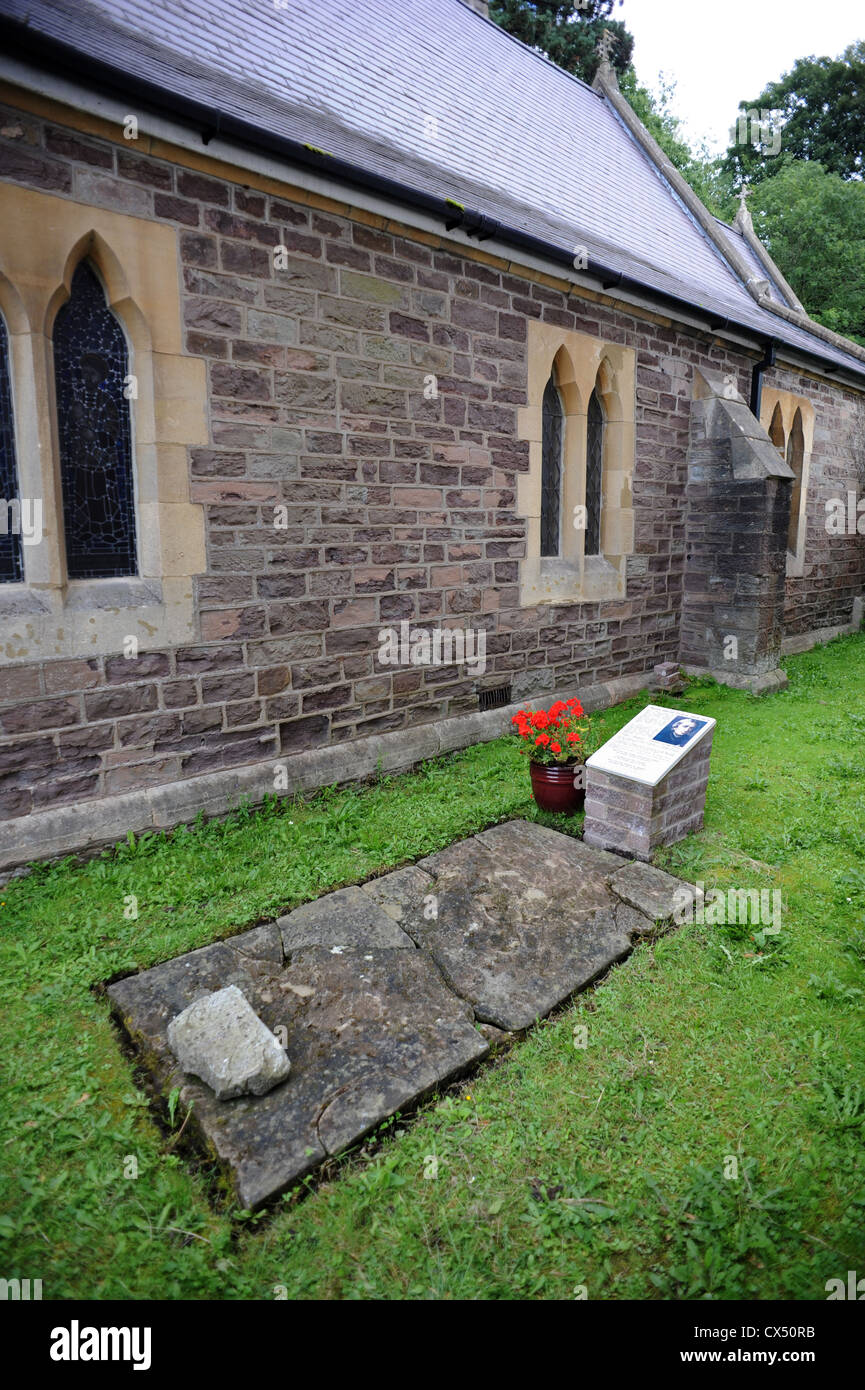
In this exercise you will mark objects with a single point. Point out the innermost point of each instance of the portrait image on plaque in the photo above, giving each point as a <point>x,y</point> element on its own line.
<point>680,730</point>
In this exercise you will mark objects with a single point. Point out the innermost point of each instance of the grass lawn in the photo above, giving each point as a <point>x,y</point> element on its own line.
<point>558,1166</point>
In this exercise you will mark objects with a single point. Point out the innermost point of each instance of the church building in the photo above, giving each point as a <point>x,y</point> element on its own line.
<point>363,376</point>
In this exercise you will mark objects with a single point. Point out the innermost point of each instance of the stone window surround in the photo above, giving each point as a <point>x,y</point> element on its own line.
<point>788,404</point>
<point>581,362</point>
<point>49,616</point>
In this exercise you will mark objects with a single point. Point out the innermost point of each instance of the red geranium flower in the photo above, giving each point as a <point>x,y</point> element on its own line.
<point>551,734</point>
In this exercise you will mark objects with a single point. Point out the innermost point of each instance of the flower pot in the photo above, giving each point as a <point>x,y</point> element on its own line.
<point>553,787</point>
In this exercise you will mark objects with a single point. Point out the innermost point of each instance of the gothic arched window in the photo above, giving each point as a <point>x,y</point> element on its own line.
<point>594,473</point>
<point>551,468</point>
<point>776,428</point>
<point>11,565</point>
<point>795,458</point>
<point>94,428</point>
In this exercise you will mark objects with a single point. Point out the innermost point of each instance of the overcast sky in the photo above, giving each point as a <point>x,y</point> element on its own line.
<point>721,52</point>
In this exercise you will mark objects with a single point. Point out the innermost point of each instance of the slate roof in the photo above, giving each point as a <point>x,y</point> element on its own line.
<point>431,94</point>
<point>758,270</point>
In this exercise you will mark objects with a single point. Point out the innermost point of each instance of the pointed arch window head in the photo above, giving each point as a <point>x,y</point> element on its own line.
<point>594,473</point>
<point>95,434</point>
<point>11,562</point>
<point>795,458</point>
<point>776,429</point>
<point>551,469</point>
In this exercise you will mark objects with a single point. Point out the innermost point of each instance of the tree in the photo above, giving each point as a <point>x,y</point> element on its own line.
<point>813,224</point>
<point>568,31</point>
<point>818,110</point>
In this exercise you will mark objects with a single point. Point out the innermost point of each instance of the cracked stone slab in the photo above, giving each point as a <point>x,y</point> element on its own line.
<point>367,1032</point>
<point>262,943</point>
<point>551,846</point>
<point>635,923</point>
<point>342,920</point>
<point>221,1040</point>
<point>656,894</point>
<point>525,918</point>
<point>399,894</point>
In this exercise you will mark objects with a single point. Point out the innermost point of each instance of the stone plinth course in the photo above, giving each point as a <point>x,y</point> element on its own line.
<point>378,993</point>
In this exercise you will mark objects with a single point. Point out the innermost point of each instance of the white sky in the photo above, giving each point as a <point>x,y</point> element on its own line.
<point>721,52</point>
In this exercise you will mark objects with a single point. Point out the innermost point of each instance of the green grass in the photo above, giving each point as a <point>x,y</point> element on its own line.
<point>558,1166</point>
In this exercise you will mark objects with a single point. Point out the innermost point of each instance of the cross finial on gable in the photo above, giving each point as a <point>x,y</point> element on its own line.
<point>743,216</point>
<point>606,44</point>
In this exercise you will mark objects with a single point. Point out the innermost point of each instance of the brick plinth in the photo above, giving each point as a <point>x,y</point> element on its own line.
<point>634,819</point>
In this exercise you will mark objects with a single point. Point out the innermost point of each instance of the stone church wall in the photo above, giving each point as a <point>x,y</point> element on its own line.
<point>397,507</point>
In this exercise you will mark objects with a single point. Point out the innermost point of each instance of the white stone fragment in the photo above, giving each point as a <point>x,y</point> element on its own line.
<point>221,1039</point>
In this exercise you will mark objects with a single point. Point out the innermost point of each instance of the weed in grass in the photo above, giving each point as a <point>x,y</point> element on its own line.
<point>722,1234</point>
<point>833,990</point>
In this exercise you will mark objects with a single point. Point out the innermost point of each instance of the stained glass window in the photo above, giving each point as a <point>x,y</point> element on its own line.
<point>11,565</point>
<point>551,468</point>
<point>594,474</point>
<point>94,427</point>
<point>795,458</point>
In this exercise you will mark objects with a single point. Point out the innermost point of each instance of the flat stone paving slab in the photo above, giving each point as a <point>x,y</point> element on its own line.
<point>651,891</point>
<point>378,992</point>
<point>525,918</point>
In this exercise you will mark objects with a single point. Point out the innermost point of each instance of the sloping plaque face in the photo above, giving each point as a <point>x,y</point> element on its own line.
<point>651,744</point>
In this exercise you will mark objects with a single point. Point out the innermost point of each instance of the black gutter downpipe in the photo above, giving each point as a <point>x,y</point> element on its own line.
<point>767,360</point>
<point>21,40</point>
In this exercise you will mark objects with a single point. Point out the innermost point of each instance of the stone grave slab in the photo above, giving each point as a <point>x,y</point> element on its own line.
<point>339,920</point>
<point>650,891</point>
<point>525,918</point>
<point>368,1033</point>
<point>378,992</point>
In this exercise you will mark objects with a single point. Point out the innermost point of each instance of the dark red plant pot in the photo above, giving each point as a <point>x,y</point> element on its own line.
<point>554,790</point>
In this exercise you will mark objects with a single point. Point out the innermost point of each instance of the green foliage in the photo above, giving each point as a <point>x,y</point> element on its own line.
<point>820,109</point>
<point>807,202</point>
<point>813,224</point>
<point>566,31</point>
<point>721,1233</point>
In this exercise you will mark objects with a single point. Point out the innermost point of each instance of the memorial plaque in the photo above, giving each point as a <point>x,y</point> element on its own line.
<point>651,744</point>
<point>647,786</point>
